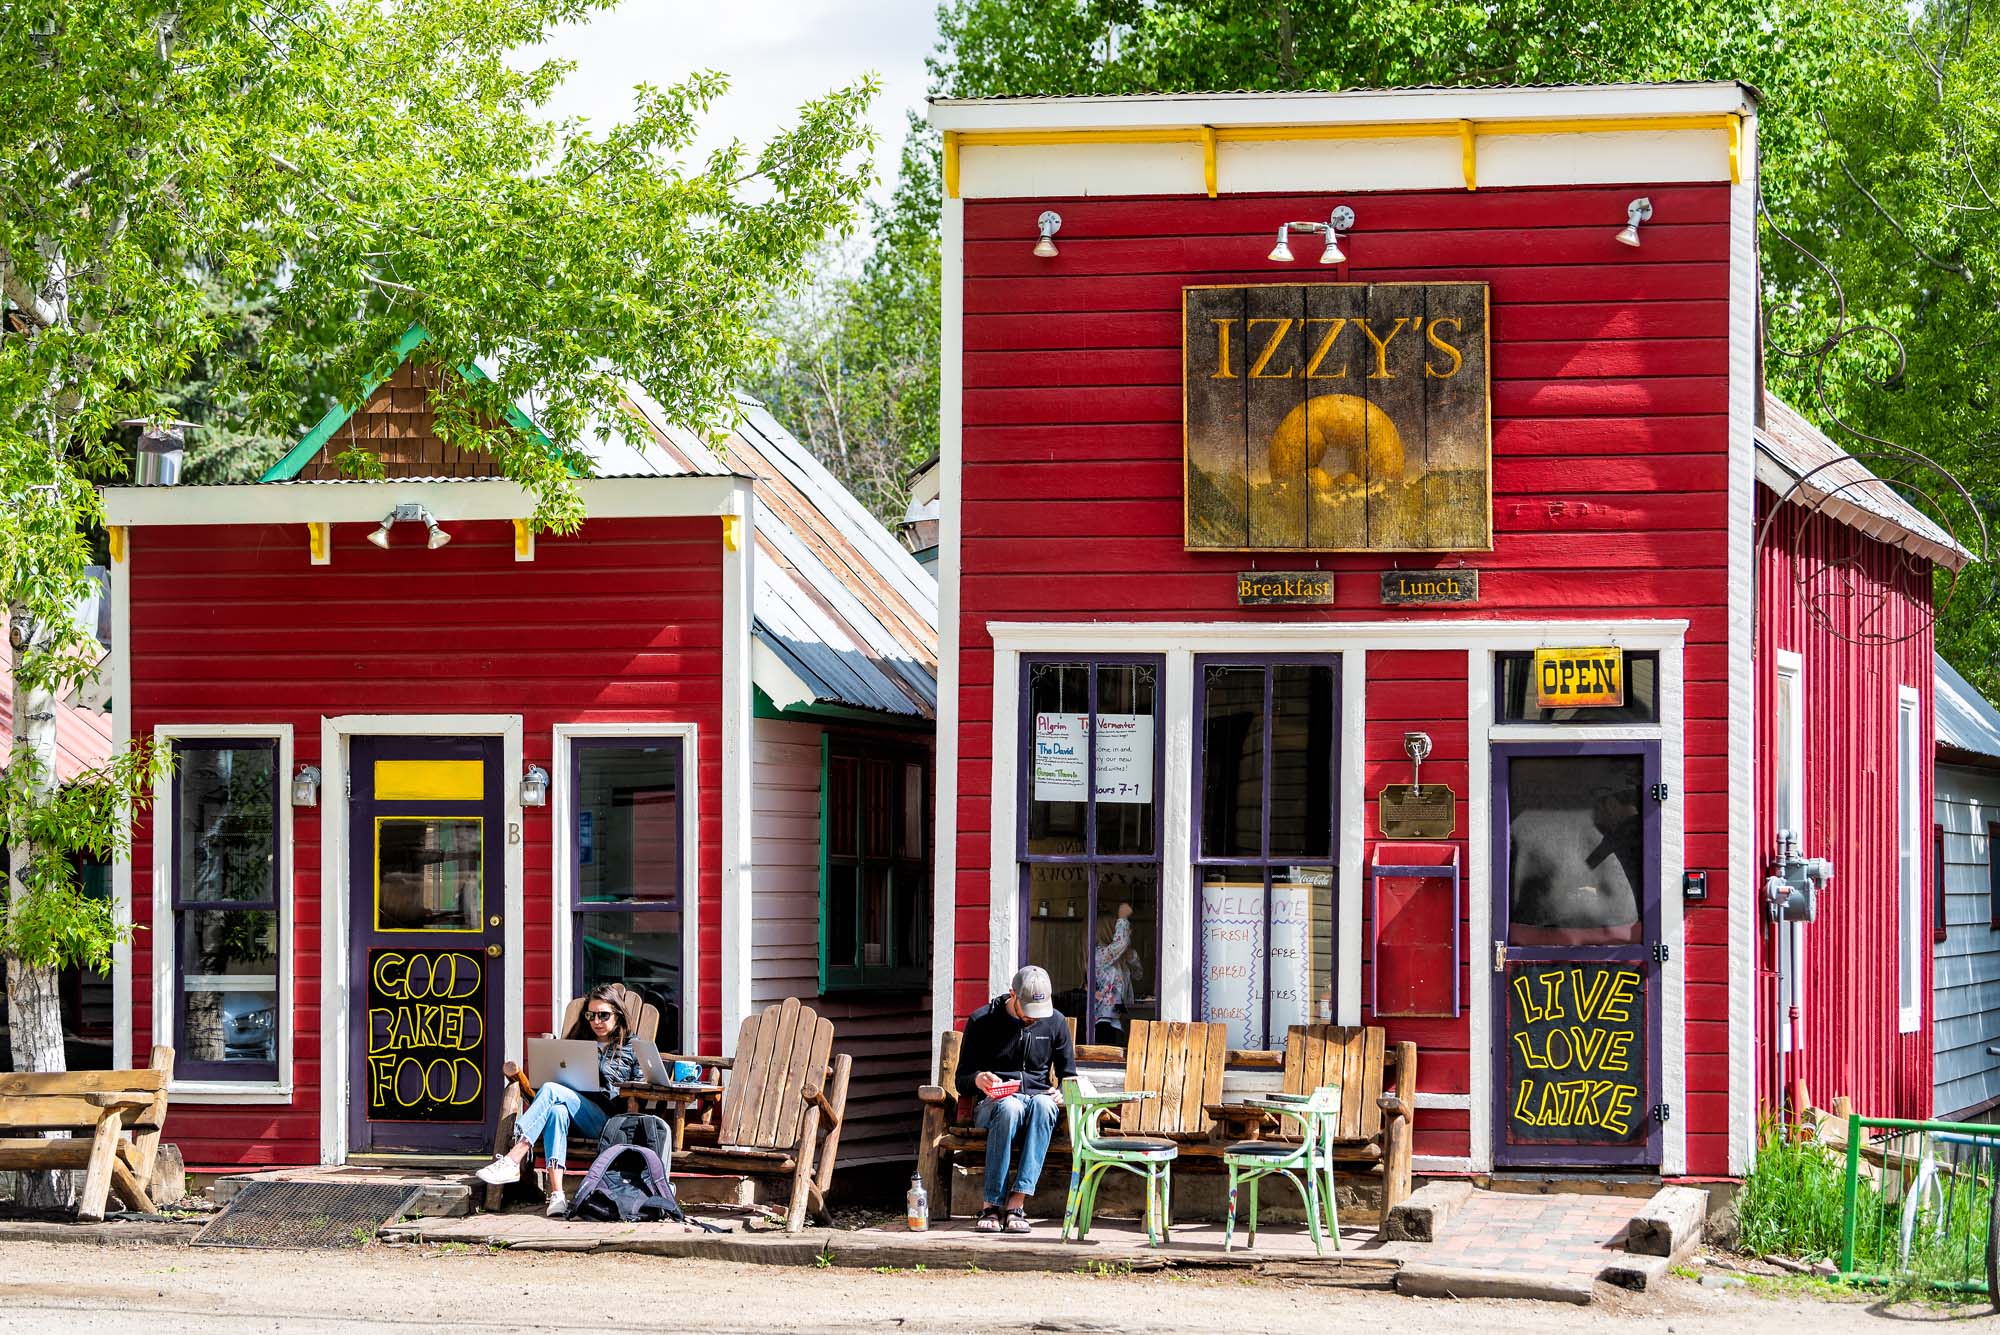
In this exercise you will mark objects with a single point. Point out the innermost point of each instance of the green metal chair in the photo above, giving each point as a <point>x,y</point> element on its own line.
<point>1092,1155</point>
<point>1307,1162</point>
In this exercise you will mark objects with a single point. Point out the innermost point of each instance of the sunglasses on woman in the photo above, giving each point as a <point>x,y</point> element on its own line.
<point>602,1015</point>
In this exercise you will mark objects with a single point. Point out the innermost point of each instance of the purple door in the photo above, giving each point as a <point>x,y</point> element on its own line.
<point>425,825</point>
<point>1576,953</point>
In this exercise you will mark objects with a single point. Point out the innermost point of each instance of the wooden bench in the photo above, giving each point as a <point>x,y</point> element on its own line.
<point>782,1107</point>
<point>113,1117</point>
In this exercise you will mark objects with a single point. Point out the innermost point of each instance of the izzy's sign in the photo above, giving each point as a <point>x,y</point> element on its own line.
<point>1337,417</point>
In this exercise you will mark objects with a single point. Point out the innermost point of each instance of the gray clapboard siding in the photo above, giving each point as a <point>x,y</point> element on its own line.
<point>1966,981</point>
<point>889,1038</point>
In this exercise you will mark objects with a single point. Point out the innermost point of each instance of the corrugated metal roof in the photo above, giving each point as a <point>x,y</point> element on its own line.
<point>1793,453</point>
<point>83,736</point>
<point>1966,720</point>
<point>1190,94</point>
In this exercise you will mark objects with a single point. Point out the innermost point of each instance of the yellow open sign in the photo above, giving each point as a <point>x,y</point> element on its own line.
<point>1579,678</point>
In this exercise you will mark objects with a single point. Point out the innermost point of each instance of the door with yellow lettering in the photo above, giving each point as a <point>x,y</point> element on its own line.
<point>424,855</point>
<point>1576,954</point>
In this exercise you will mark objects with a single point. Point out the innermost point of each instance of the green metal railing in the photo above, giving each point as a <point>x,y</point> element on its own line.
<point>1920,1204</point>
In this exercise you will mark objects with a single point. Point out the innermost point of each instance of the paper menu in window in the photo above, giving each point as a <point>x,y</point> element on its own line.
<point>1059,757</point>
<point>1124,754</point>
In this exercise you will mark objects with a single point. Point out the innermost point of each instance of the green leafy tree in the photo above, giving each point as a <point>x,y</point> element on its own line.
<point>333,170</point>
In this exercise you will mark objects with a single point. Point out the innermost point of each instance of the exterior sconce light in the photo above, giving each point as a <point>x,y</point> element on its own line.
<point>1638,211</point>
<point>1342,220</point>
<point>1049,224</point>
<point>535,787</point>
<point>305,786</point>
<point>415,513</point>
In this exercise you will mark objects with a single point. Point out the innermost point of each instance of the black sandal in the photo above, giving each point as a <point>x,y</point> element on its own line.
<point>1017,1222</point>
<point>991,1220</point>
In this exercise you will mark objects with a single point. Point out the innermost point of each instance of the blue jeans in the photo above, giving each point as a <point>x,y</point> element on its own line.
<point>555,1110</point>
<point>1030,1118</point>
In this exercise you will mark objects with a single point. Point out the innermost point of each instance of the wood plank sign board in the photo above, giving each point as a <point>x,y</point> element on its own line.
<point>426,1036</point>
<point>1337,417</point>
<point>1579,678</point>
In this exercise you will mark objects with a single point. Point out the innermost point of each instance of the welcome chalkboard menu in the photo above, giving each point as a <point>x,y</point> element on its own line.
<point>1576,1055</point>
<point>426,1036</point>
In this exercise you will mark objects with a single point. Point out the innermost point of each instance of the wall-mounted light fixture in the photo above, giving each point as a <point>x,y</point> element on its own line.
<point>417,514</point>
<point>305,786</point>
<point>1342,220</point>
<point>535,787</point>
<point>1638,211</point>
<point>1049,224</point>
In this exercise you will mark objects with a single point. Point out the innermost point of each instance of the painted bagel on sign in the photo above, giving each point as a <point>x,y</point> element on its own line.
<point>1337,417</point>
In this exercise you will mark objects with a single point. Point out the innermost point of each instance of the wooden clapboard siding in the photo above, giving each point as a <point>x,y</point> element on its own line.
<point>1849,714</point>
<point>620,622</point>
<point>1610,477</point>
<point>1966,985</point>
<point>398,426</point>
<point>887,1035</point>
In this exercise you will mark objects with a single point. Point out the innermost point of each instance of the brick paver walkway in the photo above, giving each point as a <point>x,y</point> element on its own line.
<point>1534,1234</point>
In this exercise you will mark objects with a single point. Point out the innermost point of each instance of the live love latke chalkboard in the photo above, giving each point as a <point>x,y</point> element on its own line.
<point>1576,1055</point>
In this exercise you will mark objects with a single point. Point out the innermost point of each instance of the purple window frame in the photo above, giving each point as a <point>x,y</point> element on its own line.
<point>248,1072</point>
<point>1089,858</point>
<point>578,906</point>
<point>1267,662</point>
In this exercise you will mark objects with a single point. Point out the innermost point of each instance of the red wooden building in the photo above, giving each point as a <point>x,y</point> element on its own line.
<point>436,774</point>
<point>1194,604</point>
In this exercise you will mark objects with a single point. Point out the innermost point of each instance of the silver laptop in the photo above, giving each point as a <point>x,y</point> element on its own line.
<point>653,1068</point>
<point>571,1062</point>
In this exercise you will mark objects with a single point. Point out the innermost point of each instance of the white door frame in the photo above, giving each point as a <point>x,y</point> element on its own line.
<point>335,946</point>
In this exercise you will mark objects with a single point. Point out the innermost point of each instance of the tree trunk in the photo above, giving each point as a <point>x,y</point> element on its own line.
<point>34,1007</point>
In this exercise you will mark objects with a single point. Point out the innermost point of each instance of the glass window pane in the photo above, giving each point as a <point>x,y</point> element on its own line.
<point>628,824</point>
<point>1058,928</point>
<point>1124,729</point>
<point>1058,717</point>
<point>1302,733</point>
<point>911,929</point>
<point>910,821</point>
<point>878,809</point>
<point>228,962</point>
<point>1299,967</point>
<point>225,817</point>
<point>1577,868</point>
<point>842,917</point>
<point>843,827</point>
<point>1232,762</point>
<point>642,950</point>
<point>428,873</point>
<point>1124,951</point>
<point>874,914</point>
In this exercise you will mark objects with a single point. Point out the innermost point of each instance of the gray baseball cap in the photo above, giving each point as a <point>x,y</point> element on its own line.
<point>1034,991</point>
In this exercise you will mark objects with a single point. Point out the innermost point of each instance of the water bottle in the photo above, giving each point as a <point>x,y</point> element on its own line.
<point>919,1204</point>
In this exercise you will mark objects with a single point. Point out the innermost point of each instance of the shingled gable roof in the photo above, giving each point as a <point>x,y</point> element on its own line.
<point>1796,458</point>
<point>844,617</point>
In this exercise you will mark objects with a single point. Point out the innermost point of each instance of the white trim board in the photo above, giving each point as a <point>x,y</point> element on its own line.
<point>739,749</point>
<point>333,900</point>
<point>562,820</point>
<point>369,502</point>
<point>944,818</point>
<point>165,937</point>
<point>120,669</point>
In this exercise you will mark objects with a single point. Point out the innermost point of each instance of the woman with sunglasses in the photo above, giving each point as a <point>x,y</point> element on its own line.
<point>557,1109</point>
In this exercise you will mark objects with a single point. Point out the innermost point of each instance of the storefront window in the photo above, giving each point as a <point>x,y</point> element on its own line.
<point>1268,767</point>
<point>1575,827</point>
<point>1090,838</point>
<point>627,839</point>
<point>875,893</point>
<point>225,904</point>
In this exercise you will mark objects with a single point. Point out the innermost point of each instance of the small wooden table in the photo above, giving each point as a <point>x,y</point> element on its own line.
<point>1250,1118</point>
<point>677,1098</point>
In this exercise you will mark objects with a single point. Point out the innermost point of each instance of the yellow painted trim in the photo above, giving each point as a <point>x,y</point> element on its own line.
<point>430,780</point>
<point>1172,134</point>
<point>317,542</point>
<point>115,539</point>
<point>524,540</point>
<point>479,849</point>
<point>951,164</point>
<point>1469,154</point>
<point>1608,125</point>
<point>732,532</point>
<point>1208,158</point>
<point>1736,150</point>
<point>1264,134</point>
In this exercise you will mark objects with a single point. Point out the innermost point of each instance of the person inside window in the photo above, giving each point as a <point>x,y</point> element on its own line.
<point>557,1108</point>
<point>1016,1049</point>
<point>1118,969</point>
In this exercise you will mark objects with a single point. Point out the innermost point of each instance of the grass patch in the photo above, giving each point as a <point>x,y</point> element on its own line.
<point>1104,1269</point>
<point>1792,1201</point>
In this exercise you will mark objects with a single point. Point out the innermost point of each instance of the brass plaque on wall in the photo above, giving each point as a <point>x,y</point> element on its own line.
<point>1417,811</point>
<point>1337,417</point>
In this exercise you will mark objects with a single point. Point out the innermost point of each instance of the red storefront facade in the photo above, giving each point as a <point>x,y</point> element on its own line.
<point>1078,604</point>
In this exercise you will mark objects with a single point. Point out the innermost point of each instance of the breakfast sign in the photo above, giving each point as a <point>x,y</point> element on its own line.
<point>1337,417</point>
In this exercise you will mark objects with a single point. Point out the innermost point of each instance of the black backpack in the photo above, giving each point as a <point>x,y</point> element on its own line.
<point>628,1179</point>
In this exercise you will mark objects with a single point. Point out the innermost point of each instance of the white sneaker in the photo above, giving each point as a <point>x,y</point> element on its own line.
<point>558,1205</point>
<point>500,1172</point>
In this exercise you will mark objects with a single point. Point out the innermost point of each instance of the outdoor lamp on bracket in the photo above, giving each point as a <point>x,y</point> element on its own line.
<point>1341,220</point>
<point>1638,211</point>
<point>535,787</point>
<point>1048,225</point>
<point>305,786</point>
<point>415,513</point>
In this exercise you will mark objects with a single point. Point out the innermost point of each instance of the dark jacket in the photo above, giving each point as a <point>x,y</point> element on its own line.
<point>1039,1053</point>
<point>617,1066</point>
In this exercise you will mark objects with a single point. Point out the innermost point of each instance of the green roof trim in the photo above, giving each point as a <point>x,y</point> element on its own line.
<point>762,706</point>
<point>296,459</point>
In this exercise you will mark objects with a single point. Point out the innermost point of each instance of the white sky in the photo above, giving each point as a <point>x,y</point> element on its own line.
<point>775,54</point>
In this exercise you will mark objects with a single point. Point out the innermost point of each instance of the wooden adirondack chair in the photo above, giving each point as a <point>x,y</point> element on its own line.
<point>782,1107</point>
<point>1182,1064</point>
<point>100,1109</point>
<point>1378,1086</point>
<point>642,1020</point>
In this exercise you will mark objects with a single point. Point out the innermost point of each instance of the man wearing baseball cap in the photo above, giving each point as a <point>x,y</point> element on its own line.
<point>1016,1051</point>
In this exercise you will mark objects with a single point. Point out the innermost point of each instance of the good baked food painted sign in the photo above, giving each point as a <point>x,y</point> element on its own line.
<point>1337,417</point>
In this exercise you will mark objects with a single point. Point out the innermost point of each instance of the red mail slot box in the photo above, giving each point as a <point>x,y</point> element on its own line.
<point>1414,902</point>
